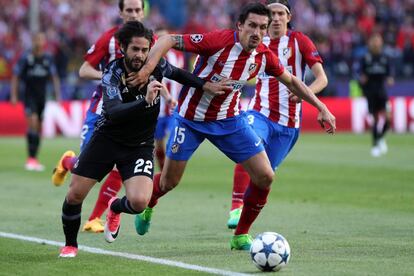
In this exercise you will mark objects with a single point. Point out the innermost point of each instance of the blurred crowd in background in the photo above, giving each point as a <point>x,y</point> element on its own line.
<point>338,28</point>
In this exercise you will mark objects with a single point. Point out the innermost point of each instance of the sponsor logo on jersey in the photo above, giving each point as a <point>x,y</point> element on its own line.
<point>196,38</point>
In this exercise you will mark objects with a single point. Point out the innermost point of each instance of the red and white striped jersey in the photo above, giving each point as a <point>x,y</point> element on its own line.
<point>105,50</point>
<point>175,58</point>
<point>220,54</point>
<point>295,50</point>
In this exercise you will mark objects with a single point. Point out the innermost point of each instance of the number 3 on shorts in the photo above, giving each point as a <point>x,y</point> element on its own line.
<point>140,163</point>
<point>179,135</point>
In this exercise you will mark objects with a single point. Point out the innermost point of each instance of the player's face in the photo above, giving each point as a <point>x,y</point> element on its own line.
<point>375,44</point>
<point>137,52</point>
<point>39,41</point>
<point>280,19</point>
<point>252,31</point>
<point>132,11</point>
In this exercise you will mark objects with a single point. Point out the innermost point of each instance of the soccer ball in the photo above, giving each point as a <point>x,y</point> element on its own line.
<point>270,251</point>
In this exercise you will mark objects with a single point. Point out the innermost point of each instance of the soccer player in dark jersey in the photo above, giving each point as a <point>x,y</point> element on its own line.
<point>34,70</point>
<point>375,71</point>
<point>103,51</point>
<point>124,135</point>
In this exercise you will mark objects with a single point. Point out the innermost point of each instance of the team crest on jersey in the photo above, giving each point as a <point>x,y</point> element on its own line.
<point>287,52</point>
<point>174,148</point>
<point>196,38</point>
<point>252,68</point>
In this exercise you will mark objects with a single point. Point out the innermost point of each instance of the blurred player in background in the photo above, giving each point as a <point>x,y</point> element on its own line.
<point>240,56</point>
<point>275,113</point>
<point>175,58</point>
<point>375,70</point>
<point>98,56</point>
<point>34,70</point>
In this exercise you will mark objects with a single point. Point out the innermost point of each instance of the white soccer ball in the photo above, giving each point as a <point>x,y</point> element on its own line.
<point>270,251</point>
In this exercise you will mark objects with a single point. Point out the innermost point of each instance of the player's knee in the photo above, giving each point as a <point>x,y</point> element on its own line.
<point>74,197</point>
<point>265,179</point>
<point>138,202</point>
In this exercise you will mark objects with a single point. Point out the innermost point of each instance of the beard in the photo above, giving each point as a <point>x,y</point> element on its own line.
<point>134,64</point>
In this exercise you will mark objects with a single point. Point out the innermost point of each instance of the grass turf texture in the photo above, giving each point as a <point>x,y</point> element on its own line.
<point>342,211</point>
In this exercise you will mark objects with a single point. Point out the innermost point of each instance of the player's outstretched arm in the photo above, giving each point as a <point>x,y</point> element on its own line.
<point>298,88</point>
<point>87,71</point>
<point>159,50</point>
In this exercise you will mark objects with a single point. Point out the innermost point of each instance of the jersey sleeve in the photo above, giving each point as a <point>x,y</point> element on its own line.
<point>179,75</point>
<point>273,65</point>
<point>98,50</point>
<point>308,49</point>
<point>208,43</point>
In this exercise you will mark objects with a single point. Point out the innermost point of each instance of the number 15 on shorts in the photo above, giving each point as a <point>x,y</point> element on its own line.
<point>179,135</point>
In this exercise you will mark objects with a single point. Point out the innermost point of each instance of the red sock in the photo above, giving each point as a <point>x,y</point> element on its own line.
<point>109,189</point>
<point>254,201</point>
<point>69,162</point>
<point>156,191</point>
<point>160,155</point>
<point>241,180</point>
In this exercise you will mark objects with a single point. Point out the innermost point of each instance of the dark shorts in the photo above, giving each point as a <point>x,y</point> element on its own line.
<point>34,105</point>
<point>101,154</point>
<point>376,101</point>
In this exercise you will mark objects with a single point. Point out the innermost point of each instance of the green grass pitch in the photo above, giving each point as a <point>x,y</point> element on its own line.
<point>342,211</point>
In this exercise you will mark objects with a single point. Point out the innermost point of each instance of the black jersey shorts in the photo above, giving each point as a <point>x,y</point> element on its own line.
<point>101,154</point>
<point>376,101</point>
<point>34,104</point>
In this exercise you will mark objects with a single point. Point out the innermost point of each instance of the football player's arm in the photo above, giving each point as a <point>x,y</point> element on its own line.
<point>298,88</point>
<point>321,80</point>
<point>186,78</point>
<point>87,71</point>
<point>117,110</point>
<point>14,84</point>
<point>56,81</point>
<point>160,48</point>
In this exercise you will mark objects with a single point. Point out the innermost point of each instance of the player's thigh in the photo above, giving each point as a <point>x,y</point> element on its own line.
<point>259,169</point>
<point>97,158</point>
<point>79,188</point>
<point>260,124</point>
<point>239,145</point>
<point>172,173</point>
<point>280,144</point>
<point>138,190</point>
<point>135,161</point>
<point>183,141</point>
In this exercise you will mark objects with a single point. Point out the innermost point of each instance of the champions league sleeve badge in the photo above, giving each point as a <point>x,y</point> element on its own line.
<point>196,38</point>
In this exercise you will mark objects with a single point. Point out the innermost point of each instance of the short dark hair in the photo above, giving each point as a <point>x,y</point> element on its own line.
<point>132,29</point>
<point>121,4</point>
<point>256,8</point>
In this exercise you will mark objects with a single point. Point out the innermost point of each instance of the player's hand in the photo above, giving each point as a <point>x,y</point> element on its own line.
<point>294,98</point>
<point>327,120</point>
<point>218,88</point>
<point>153,88</point>
<point>172,103</point>
<point>138,79</point>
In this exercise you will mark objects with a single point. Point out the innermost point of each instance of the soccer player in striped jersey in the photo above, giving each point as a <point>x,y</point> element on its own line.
<point>274,112</point>
<point>105,50</point>
<point>239,56</point>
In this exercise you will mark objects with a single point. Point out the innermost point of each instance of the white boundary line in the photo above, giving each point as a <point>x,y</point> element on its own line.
<point>95,250</point>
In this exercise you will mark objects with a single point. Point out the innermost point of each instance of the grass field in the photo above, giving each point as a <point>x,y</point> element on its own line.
<point>342,211</point>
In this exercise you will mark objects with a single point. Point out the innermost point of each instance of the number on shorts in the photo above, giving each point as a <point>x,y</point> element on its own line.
<point>147,168</point>
<point>85,129</point>
<point>250,119</point>
<point>179,135</point>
